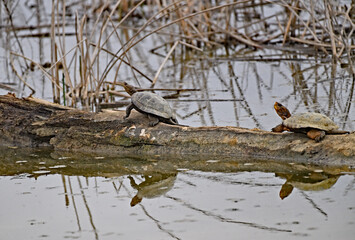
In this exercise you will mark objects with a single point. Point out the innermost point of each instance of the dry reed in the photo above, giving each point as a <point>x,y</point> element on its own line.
<point>190,26</point>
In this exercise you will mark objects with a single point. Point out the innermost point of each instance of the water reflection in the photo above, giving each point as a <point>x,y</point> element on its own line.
<point>152,186</point>
<point>312,181</point>
<point>86,196</point>
<point>305,86</point>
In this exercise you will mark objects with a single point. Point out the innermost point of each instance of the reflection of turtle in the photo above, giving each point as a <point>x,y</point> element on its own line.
<point>306,182</point>
<point>152,186</point>
<point>156,107</point>
<point>315,125</point>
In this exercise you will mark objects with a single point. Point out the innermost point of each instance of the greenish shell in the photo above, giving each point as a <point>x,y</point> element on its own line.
<point>152,103</point>
<point>310,120</point>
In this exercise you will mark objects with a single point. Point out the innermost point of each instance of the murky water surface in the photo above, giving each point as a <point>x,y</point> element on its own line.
<point>46,195</point>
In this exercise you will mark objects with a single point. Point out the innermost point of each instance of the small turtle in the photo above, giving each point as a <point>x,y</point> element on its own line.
<point>151,104</point>
<point>315,125</point>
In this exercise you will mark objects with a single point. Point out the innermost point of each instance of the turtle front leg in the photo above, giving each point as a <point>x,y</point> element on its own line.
<point>316,135</point>
<point>153,121</point>
<point>128,110</point>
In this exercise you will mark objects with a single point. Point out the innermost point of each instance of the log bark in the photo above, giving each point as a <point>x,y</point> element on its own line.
<point>31,122</point>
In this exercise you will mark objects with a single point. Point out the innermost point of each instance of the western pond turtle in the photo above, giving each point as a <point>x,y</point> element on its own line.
<point>154,106</point>
<point>315,125</point>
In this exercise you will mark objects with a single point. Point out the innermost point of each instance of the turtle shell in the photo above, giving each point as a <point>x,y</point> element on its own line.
<point>310,120</point>
<point>152,103</point>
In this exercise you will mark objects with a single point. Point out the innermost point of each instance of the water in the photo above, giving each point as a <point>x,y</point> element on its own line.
<point>56,195</point>
<point>53,195</point>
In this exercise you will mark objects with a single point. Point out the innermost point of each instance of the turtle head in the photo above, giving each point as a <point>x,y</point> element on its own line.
<point>282,111</point>
<point>128,88</point>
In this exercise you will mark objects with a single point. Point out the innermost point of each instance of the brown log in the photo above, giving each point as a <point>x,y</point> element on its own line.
<point>31,122</point>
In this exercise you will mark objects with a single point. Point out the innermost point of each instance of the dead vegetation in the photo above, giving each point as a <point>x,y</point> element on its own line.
<point>91,42</point>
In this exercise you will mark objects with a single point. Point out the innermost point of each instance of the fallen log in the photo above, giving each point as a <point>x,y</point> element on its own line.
<point>31,122</point>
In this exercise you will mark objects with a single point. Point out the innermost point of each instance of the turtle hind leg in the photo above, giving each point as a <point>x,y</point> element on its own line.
<point>316,135</point>
<point>153,121</point>
<point>128,110</point>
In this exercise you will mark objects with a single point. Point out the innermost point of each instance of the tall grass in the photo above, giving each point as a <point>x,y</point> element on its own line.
<point>106,34</point>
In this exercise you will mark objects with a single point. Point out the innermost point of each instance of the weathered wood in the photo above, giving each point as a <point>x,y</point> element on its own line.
<point>32,122</point>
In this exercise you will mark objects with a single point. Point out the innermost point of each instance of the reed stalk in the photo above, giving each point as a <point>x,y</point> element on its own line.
<point>197,26</point>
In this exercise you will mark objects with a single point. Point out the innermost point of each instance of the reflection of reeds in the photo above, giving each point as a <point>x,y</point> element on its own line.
<point>88,208</point>
<point>224,219</point>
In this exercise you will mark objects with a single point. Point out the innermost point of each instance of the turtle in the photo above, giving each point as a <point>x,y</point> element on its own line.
<point>154,106</point>
<point>315,125</point>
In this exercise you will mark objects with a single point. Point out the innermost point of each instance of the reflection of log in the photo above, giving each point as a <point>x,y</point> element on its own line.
<point>39,161</point>
<point>32,122</point>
